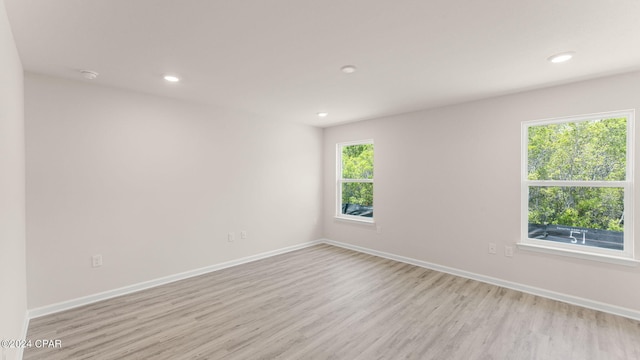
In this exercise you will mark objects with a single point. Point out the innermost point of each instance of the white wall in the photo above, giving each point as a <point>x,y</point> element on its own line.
<point>154,185</point>
<point>447,182</point>
<point>13,286</point>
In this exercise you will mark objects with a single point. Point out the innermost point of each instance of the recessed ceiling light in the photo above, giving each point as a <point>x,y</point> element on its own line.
<point>323,114</point>
<point>171,78</point>
<point>88,74</point>
<point>348,69</point>
<point>562,57</point>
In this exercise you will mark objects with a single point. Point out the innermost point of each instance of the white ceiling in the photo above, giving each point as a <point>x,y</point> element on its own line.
<point>281,59</point>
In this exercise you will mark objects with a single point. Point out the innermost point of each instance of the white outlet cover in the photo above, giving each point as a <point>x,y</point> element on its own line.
<point>96,261</point>
<point>508,251</point>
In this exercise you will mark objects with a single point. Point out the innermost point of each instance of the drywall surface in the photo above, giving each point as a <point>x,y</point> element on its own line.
<point>13,284</point>
<point>154,186</point>
<point>447,182</point>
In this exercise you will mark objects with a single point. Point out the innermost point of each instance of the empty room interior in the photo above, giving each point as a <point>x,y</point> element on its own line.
<point>319,179</point>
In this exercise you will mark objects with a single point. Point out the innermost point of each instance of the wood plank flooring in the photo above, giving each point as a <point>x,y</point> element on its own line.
<point>326,302</point>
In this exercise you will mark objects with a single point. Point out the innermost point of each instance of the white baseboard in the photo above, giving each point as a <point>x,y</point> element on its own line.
<point>23,334</point>
<point>70,304</point>
<point>570,299</point>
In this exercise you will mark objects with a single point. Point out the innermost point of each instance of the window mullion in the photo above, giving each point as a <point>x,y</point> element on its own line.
<point>355,180</point>
<point>541,183</point>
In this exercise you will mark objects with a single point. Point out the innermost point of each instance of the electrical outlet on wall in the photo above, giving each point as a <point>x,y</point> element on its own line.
<point>243,234</point>
<point>231,237</point>
<point>492,248</point>
<point>508,250</point>
<point>96,261</point>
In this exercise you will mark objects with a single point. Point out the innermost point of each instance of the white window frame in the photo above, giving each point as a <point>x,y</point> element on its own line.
<point>340,181</point>
<point>627,255</point>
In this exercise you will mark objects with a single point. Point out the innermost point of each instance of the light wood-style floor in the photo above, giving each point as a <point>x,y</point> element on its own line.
<point>326,302</point>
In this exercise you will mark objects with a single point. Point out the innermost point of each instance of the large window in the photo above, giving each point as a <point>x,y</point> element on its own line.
<point>355,181</point>
<point>577,184</point>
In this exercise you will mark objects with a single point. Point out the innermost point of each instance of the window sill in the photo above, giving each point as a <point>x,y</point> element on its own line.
<point>579,255</point>
<point>355,219</point>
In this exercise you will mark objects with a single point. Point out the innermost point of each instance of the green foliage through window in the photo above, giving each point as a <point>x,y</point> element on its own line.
<point>357,161</point>
<point>357,165</point>
<point>593,150</point>
<point>585,207</point>
<point>587,150</point>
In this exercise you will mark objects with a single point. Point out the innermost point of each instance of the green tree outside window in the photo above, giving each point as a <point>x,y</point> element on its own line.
<point>578,151</point>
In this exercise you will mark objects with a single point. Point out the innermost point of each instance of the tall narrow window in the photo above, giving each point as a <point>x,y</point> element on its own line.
<point>577,184</point>
<point>355,181</point>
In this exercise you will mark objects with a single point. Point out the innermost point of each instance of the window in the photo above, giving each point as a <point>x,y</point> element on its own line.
<point>355,181</point>
<point>577,184</point>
